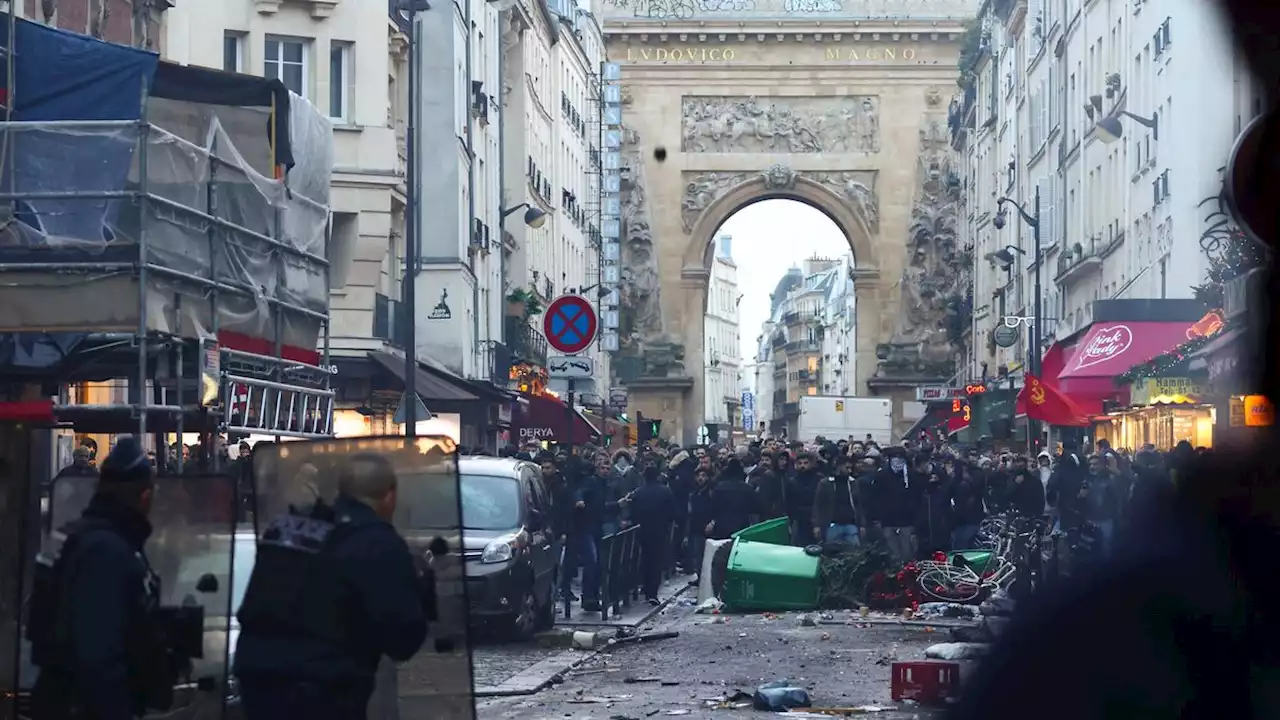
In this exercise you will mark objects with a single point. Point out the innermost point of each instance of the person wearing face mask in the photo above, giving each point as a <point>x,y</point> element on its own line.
<point>1044,469</point>
<point>837,513</point>
<point>291,659</point>
<point>896,492</point>
<point>800,493</point>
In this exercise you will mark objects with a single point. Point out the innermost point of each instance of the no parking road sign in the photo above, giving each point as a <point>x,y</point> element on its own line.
<point>570,324</point>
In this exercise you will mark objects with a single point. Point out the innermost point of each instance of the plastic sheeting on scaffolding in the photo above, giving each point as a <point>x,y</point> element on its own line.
<point>144,197</point>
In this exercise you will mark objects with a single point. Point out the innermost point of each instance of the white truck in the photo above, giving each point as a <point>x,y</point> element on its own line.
<point>840,418</point>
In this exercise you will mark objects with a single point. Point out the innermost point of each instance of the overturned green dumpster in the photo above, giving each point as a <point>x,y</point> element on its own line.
<point>765,572</point>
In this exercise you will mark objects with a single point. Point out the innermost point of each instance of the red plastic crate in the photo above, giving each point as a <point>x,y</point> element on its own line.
<point>928,682</point>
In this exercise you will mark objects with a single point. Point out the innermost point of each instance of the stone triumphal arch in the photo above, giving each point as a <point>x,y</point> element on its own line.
<point>841,104</point>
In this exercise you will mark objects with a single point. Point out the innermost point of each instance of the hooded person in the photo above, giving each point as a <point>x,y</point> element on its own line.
<point>897,491</point>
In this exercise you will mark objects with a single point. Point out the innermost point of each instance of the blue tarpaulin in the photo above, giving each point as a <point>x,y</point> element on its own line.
<point>59,75</point>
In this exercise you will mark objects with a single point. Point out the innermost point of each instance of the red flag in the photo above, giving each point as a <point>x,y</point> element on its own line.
<point>1039,401</point>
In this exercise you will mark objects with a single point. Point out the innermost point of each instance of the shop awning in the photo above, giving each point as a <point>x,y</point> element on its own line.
<point>429,386</point>
<point>547,419</point>
<point>1055,361</point>
<point>1110,349</point>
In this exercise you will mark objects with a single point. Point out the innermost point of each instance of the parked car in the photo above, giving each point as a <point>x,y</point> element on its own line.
<point>510,556</point>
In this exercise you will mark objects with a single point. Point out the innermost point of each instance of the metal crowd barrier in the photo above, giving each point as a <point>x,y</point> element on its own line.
<point>620,570</point>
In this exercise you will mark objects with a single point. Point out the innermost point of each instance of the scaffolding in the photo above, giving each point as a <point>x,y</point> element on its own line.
<point>150,234</point>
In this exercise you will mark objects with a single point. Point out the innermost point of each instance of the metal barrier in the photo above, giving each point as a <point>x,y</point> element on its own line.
<point>620,570</point>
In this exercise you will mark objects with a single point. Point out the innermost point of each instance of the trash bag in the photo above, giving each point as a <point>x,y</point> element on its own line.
<point>779,696</point>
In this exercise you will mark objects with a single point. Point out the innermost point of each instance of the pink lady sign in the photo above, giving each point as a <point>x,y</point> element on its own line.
<point>1107,343</point>
<point>1112,348</point>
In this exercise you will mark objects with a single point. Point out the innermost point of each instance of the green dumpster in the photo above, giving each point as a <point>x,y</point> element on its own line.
<point>764,576</point>
<point>775,532</point>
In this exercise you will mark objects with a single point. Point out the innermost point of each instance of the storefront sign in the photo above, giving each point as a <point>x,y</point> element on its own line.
<point>927,393</point>
<point>1207,326</point>
<point>1236,409</point>
<point>1166,390</point>
<point>1258,411</point>
<point>975,389</point>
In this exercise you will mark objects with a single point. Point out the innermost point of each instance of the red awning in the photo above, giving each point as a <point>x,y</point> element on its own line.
<point>1110,349</point>
<point>547,419</point>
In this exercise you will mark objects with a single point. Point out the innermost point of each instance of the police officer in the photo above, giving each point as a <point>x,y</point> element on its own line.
<point>91,606</point>
<point>330,594</point>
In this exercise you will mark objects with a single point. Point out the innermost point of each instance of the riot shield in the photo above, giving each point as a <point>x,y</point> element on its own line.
<point>194,549</point>
<point>67,495</point>
<point>437,681</point>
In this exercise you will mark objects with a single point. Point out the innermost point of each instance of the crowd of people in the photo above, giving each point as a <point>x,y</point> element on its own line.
<point>916,498</point>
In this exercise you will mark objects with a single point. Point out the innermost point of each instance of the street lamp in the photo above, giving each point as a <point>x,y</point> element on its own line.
<point>1110,128</point>
<point>1004,254</point>
<point>408,10</point>
<point>534,217</point>
<point>1032,219</point>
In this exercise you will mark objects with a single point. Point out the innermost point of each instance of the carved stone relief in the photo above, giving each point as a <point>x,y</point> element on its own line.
<point>858,187</point>
<point>781,125</point>
<point>643,335</point>
<point>703,188</point>
<point>935,281</point>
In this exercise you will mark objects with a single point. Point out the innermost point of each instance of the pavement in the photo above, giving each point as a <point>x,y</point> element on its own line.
<point>507,669</point>
<point>843,664</point>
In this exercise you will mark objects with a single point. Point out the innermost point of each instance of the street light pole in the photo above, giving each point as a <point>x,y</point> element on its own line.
<point>1033,220</point>
<point>409,10</point>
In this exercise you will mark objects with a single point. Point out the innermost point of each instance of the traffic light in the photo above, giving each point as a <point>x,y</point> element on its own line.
<point>648,428</point>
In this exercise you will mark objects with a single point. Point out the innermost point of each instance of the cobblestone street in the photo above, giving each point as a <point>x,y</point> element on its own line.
<point>841,665</point>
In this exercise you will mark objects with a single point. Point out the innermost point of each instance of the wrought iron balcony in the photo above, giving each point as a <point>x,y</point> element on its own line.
<point>525,343</point>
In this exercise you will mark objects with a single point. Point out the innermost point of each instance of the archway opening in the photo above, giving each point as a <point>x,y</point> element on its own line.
<point>779,319</point>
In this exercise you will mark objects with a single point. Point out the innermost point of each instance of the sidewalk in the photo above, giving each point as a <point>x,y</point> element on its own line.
<point>544,672</point>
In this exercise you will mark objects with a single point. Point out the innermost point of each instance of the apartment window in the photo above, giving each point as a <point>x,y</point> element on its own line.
<point>341,81</point>
<point>233,52</point>
<point>285,59</point>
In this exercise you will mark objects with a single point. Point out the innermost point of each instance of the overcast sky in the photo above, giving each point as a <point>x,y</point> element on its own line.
<point>768,238</point>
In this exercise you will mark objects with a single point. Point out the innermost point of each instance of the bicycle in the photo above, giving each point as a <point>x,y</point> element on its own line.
<point>958,581</point>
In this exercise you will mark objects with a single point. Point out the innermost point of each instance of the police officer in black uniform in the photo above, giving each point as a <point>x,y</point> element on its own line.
<point>332,590</point>
<point>91,606</point>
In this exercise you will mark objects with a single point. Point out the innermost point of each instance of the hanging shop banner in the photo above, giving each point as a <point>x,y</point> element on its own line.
<point>1259,411</point>
<point>1167,391</point>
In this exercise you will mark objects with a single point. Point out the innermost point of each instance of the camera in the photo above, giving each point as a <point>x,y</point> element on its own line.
<point>1001,218</point>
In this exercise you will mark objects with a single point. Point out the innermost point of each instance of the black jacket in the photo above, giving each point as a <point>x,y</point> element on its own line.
<point>1026,498</point>
<point>700,508</point>
<point>108,595</point>
<point>653,508</point>
<point>966,499</point>
<point>733,504</point>
<point>933,523</point>
<point>801,490</point>
<point>771,486</point>
<point>896,500</point>
<point>386,612</point>
<point>836,501</point>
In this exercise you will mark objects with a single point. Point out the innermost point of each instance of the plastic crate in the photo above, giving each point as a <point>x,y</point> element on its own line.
<point>763,576</point>
<point>928,682</point>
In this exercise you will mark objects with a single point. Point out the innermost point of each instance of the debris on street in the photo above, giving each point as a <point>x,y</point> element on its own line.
<point>780,695</point>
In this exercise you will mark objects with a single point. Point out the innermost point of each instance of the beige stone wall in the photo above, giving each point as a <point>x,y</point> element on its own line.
<point>910,73</point>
